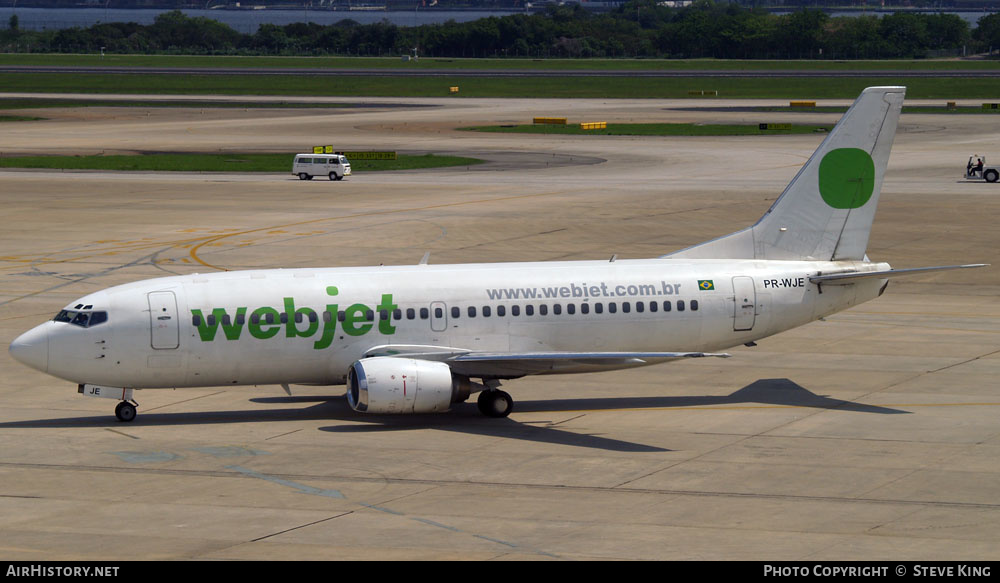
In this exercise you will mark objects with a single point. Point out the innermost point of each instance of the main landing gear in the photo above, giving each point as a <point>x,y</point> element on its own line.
<point>495,403</point>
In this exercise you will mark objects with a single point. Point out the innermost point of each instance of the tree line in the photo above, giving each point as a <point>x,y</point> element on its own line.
<point>638,29</point>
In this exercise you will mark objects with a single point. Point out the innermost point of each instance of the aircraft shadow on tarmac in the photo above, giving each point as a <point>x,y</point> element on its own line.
<point>778,392</point>
<point>465,417</point>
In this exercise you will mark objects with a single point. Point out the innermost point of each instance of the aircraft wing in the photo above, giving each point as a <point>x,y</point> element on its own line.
<point>852,276</point>
<point>518,364</point>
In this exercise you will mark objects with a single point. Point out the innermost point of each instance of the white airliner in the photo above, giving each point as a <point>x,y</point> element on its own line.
<point>410,339</point>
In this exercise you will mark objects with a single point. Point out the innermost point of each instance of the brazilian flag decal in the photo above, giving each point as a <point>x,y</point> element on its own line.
<point>706,285</point>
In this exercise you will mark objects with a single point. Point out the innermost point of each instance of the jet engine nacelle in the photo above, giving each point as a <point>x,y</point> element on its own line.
<point>385,384</point>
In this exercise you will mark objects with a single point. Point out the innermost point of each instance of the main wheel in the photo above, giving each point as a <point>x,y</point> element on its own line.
<point>495,403</point>
<point>303,176</point>
<point>991,175</point>
<point>333,176</point>
<point>125,411</point>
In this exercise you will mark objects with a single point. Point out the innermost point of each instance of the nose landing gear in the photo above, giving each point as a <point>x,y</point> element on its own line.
<point>126,411</point>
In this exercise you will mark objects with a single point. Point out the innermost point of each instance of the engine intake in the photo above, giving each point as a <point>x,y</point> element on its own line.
<point>385,384</point>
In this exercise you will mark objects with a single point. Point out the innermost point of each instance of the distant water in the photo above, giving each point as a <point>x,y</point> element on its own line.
<point>244,21</point>
<point>247,21</point>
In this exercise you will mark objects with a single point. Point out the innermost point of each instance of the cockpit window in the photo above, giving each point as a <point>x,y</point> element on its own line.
<point>83,319</point>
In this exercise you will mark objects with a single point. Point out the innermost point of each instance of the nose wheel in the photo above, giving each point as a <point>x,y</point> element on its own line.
<point>495,403</point>
<point>125,411</point>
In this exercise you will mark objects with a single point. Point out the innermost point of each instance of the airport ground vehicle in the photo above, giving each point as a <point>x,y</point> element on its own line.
<point>336,166</point>
<point>977,169</point>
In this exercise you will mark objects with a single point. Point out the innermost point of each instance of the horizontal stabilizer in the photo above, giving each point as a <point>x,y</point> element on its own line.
<point>851,277</point>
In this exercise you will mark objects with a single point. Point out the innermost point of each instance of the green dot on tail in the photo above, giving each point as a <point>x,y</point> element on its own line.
<point>846,178</point>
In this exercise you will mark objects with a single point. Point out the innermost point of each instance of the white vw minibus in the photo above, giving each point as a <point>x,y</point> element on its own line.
<point>336,166</point>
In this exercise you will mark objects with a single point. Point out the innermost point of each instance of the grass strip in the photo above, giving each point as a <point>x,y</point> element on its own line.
<point>933,109</point>
<point>505,64</point>
<point>546,87</point>
<point>171,162</point>
<point>45,102</point>
<point>653,129</point>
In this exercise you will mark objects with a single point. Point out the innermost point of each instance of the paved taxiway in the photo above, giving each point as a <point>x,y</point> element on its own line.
<point>873,435</point>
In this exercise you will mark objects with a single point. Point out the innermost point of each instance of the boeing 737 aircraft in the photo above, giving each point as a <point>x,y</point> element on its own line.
<point>417,339</point>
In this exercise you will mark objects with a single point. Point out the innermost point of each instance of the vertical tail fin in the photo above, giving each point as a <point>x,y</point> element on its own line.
<point>826,211</point>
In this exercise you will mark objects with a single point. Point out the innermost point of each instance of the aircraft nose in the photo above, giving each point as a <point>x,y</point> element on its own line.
<point>32,348</point>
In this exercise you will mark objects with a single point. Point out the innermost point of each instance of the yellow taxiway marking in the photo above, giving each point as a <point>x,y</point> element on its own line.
<point>271,229</point>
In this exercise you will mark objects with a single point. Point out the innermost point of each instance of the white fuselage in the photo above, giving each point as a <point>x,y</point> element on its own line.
<point>306,326</point>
